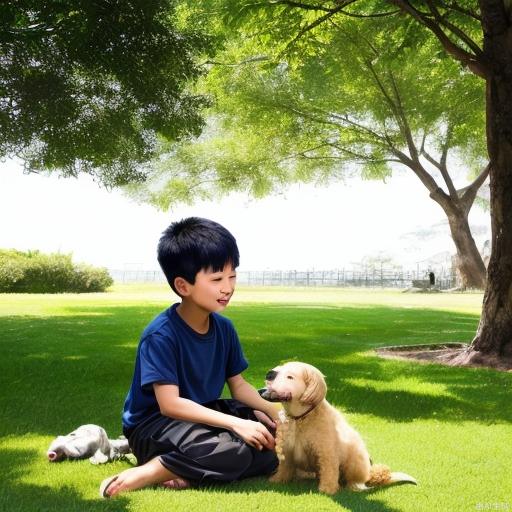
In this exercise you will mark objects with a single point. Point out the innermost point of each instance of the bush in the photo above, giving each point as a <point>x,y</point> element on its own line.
<point>91,279</point>
<point>33,272</point>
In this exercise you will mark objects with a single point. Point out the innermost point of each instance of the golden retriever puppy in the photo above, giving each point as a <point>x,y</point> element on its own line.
<point>315,438</point>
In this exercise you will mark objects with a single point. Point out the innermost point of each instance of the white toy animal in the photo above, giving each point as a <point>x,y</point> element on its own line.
<point>88,441</point>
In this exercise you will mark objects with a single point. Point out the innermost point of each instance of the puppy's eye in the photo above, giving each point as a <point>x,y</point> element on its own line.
<point>271,375</point>
<point>289,377</point>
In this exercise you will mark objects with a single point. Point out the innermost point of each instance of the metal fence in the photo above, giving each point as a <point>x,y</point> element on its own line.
<point>344,278</point>
<point>374,278</point>
<point>137,276</point>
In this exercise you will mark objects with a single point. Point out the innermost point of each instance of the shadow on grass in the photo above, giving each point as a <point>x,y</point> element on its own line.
<point>18,496</point>
<point>466,395</point>
<point>62,371</point>
<point>350,500</point>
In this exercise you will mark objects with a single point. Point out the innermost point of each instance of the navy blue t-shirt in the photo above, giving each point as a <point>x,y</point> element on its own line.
<point>171,352</point>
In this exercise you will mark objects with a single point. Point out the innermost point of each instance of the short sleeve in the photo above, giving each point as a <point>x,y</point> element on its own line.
<point>237,362</point>
<point>157,361</point>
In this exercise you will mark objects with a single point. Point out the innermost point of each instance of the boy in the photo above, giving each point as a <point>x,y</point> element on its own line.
<point>177,427</point>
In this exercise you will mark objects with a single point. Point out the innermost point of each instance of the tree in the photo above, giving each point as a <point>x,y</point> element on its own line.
<point>374,106</point>
<point>92,85</point>
<point>479,36</point>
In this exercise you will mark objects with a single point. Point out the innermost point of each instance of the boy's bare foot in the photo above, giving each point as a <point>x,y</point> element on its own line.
<point>151,473</point>
<point>105,486</point>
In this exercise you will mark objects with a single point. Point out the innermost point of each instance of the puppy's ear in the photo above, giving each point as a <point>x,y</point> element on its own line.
<point>316,388</point>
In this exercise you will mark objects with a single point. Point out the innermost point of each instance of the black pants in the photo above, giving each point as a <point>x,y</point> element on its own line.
<point>198,452</point>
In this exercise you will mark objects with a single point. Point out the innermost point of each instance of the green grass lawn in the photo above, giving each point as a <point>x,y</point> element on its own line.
<point>67,360</point>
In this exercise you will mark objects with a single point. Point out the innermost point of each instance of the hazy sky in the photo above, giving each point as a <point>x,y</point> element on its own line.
<point>308,227</point>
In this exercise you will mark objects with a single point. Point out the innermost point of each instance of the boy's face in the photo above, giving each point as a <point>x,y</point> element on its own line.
<point>212,290</point>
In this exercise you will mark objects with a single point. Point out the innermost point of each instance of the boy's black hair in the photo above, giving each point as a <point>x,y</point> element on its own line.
<point>193,244</point>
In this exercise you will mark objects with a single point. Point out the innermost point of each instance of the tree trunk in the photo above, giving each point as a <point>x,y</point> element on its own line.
<point>492,344</point>
<point>469,260</point>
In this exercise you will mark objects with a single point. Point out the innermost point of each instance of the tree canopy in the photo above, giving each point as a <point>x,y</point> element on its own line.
<point>377,103</point>
<point>93,85</point>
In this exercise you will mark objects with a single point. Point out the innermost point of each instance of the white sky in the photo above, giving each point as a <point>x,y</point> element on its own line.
<point>308,227</point>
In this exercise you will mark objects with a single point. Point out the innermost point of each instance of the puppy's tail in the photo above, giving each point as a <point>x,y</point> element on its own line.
<point>382,475</point>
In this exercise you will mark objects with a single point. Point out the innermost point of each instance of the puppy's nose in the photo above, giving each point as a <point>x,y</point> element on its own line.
<point>271,375</point>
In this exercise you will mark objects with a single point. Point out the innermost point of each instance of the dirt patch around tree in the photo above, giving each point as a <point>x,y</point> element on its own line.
<point>449,354</point>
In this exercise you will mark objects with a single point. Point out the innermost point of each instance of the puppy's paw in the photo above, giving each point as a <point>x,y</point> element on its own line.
<point>279,478</point>
<point>329,487</point>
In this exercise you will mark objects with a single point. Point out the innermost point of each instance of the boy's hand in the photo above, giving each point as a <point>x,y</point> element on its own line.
<point>254,434</point>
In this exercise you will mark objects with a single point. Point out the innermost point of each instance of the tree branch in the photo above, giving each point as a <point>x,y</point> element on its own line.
<point>305,151</point>
<point>442,198</point>
<point>456,7</point>
<point>301,5</point>
<point>424,138</point>
<point>373,15</point>
<point>363,157</point>
<point>444,169</point>
<point>398,112</point>
<point>449,182</point>
<point>382,89</point>
<point>441,165</point>
<point>396,108</point>
<point>340,121</point>
<point>413,150</point>
<point>475,63</point>
<point>468,194</point>
<point>249,60</point>
<point>314,24</point>
<point>425,177</point>
<point>454,29</point>
<point>331,118</point>
<point>430,158</point>
<point>427,180</point>
<point>360,127</point>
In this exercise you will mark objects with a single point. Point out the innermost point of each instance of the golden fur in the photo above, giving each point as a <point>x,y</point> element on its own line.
<point>315,438</point>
